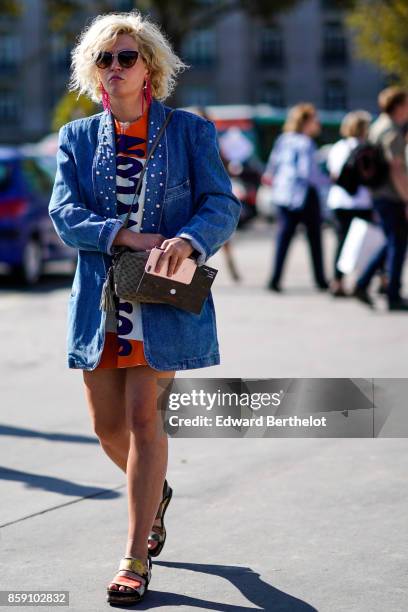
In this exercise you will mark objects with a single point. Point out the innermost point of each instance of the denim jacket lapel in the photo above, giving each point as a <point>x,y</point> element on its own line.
<point>104,168</point>
<point>156,173</point>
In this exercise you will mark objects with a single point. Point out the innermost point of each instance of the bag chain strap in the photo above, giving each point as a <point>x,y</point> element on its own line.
<point>107,302</point>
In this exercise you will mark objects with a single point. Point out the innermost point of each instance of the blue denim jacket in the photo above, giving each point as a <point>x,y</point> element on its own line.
<point>188,193</point>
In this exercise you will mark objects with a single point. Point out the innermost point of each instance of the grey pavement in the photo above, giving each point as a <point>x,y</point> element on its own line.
<point>255,524</point>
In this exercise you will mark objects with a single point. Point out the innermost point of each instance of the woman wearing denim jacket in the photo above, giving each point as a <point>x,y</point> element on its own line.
<point>295,177</point>
<point>186,207</point>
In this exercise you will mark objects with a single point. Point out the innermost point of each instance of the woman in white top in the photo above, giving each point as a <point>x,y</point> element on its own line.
<point>354,130</point>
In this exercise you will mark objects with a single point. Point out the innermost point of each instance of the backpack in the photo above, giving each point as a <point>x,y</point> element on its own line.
<point>366,165</point>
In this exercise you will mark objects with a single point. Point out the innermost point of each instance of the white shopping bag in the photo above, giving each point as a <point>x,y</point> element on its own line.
<point>362,242</point>
<point>264,201</point>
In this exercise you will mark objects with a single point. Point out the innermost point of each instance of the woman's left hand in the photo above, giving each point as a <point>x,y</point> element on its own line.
<point>176,250</point>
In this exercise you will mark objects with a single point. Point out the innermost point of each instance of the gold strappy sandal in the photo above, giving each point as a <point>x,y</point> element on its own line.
<point>141,569</point>
<point>160,537</point>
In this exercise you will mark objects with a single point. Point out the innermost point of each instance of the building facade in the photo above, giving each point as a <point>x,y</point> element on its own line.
<point>305,54</point>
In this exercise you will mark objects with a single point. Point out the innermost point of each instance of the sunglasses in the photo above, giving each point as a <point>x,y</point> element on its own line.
<point>126,59</point>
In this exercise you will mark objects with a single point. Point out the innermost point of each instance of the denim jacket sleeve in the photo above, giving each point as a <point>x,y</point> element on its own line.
<point>217,209</point>
<point>77,226</point>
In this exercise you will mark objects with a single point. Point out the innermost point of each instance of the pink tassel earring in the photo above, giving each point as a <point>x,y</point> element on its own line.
<point>147,94</point>
<point>105,98</point>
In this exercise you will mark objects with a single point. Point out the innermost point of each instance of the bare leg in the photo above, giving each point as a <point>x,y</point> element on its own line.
<point>226,247</point>
<point>147,459</point>
<point>105,394</point>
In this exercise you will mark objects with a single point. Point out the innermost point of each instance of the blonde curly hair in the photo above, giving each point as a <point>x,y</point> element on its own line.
<point>161,61</point>
<point>297,116</point>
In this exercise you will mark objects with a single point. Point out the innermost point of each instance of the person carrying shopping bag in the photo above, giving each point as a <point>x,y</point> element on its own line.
<point>354,131</point>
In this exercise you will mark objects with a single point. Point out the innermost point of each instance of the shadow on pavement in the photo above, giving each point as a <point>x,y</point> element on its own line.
<point>48,282</point>
<point>23,432</point>
<point>56,485</point>
<point>256,591</point>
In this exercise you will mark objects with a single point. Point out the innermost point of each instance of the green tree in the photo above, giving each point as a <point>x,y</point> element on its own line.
<point>71,107</point>
<point>381,35</point>
<point>10,7</point>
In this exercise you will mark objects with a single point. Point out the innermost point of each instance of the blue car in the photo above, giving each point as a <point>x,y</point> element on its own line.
<point>27,237</point>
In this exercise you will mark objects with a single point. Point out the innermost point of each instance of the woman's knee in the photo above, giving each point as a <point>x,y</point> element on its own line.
<point>144,425</point>
<point>105,394</point>
<point>110,432</point>
<point>143,413</point>
<point>144,419</point>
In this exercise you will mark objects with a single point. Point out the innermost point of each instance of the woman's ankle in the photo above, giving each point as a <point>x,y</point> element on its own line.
<point>136,553</point>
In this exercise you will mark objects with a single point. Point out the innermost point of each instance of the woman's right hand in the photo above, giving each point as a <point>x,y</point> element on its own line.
<point>267,179</point>
<point>137,241</point>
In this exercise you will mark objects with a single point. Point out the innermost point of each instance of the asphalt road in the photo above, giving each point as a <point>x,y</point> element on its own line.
<point>255,524</point>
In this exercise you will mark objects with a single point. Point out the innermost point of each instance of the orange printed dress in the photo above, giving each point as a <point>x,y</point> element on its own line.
<point>123,332</point>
